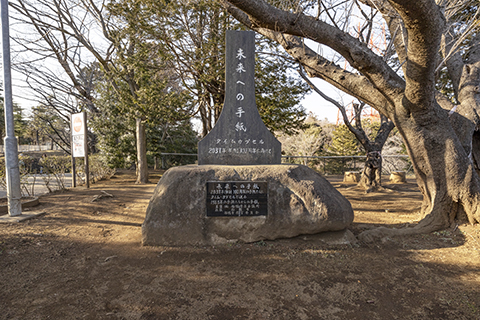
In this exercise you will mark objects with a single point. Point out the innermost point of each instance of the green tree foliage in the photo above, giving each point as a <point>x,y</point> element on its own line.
<point>20,123</point>
<point>178,138</point>
<point>344,143</point>
<point>162,63</point>
<point>116,132</point>
<point>170,65</point>
<point>193,33</point>
<point>144,83</point>
<point>142,86</point>
<point>278,95</point>
<point>45,126</point>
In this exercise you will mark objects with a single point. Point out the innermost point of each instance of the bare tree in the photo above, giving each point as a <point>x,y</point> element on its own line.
<point>438,147</point>
<point>371,178</point>
<point>308,141</point>
<point>49,40</point>
<point>193,34</point>
<point>64,30</point>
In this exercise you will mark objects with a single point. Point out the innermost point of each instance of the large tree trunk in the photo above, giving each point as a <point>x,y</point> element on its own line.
<point>444,171</point>
<point>445,176</point>
<point>371,179</point>
<point>142,168</point>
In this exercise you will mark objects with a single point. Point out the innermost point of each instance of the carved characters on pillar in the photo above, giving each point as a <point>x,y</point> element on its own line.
<point>240,136</point>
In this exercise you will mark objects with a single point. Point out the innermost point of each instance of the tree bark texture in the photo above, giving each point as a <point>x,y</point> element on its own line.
<point>445,175</point>
<point>142,167</point>
<point>371,178</point>
<point>438,143</point>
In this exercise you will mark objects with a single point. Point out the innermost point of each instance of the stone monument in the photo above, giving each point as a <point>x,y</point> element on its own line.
<point>239,191</point>
<point>239,136</point>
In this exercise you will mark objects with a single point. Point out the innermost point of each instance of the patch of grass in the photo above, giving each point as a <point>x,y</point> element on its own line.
<point>261,243</point>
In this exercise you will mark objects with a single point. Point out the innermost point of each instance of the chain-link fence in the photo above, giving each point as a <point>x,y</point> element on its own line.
<point>341,164</point>
<point>323,164</point>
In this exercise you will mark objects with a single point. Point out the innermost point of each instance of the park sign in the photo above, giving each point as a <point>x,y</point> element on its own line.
<point>79,145</point>
<point>78,134</point>
<point>239,137</point>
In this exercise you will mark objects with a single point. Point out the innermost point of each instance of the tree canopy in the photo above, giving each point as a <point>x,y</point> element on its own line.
<point>424,36</point>
<point>154,63</point>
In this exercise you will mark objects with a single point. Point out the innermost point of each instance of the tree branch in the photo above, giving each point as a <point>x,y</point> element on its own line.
<point>317,66</point>
<point>425,24</point>
<point>263,15</point>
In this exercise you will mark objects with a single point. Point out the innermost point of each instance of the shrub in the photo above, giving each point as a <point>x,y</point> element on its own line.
<point>98,169</point>
<point>54,169</point>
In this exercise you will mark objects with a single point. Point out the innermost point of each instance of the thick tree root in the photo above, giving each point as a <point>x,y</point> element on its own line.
<point>440,217</point>
<point>426,225</point>
<point>379,233</point>
<point>379,189</point>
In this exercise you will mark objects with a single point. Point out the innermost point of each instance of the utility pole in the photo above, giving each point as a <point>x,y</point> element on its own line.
<point>14,194</point>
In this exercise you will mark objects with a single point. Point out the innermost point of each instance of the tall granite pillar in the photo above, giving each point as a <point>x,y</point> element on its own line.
<point>239,137</point>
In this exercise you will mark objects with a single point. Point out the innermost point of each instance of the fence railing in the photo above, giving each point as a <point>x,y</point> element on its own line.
<point>24,148</point>
<point>324,164</point>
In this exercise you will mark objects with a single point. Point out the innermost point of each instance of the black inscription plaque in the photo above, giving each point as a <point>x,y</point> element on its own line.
<point>239,137</point>
<point>237,198</point>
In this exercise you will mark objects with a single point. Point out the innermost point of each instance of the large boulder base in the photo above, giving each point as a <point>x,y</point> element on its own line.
<point>300,201</point>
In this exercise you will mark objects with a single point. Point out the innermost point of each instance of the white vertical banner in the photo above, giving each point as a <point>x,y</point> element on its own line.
<point>78,135</point>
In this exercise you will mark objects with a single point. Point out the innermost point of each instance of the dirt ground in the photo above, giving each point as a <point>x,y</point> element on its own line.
<point>84,260</point>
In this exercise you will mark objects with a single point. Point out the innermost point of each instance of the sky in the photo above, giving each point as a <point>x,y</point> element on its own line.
<point>312,102</point>
<point>320,107</point>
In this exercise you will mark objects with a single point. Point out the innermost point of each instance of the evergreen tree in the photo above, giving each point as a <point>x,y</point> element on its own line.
<point>45,126</point>
<point>20,123</point>
<point>278,93</point>
<point>344,143</point>
<point>193,32</point>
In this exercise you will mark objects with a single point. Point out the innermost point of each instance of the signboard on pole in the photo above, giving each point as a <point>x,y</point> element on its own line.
<point>78,135</point>
<point>79,144</point>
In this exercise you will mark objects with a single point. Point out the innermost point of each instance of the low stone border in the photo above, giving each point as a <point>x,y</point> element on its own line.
<point>398,177</point>
<point>27,202</point>
<point>351,176</point>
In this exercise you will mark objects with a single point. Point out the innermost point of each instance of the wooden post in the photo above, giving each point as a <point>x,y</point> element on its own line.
<point>79,142</point>
<point>74,169</point>
<point>74,173</point>
<point>87,170</point>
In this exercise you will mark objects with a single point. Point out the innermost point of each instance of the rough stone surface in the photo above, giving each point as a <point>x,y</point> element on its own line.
<point>300,201</point>
<point>351,176</point>
<point>398,177</point>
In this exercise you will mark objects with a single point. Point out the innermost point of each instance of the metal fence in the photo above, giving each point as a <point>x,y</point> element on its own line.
<point>323,164</point>
<point>24,148</point>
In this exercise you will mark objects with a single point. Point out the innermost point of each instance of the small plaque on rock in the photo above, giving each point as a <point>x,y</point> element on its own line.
<point>237,198</point>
